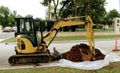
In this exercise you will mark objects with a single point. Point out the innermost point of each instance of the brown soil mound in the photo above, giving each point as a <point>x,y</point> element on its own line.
<point>82,52</point>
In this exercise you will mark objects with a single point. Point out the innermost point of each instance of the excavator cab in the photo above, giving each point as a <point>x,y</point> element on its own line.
<point>26,28</point>
<point>26,35</point>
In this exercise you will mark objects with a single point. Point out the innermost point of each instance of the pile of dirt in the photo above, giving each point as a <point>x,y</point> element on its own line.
<point>81,52</point>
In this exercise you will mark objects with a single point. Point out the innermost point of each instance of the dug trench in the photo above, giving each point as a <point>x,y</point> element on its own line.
<point>81,52</point>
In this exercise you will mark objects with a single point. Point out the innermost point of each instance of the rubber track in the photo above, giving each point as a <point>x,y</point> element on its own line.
<point>29,59</point>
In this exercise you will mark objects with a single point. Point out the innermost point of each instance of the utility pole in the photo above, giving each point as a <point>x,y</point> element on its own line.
<point>119,6</point>
<point>48,10</point>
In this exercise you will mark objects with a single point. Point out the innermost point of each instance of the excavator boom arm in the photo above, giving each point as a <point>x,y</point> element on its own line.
<point>86,20</point>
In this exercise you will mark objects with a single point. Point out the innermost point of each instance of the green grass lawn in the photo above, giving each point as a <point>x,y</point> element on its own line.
<point>112,68</point>
<point>68,38</point>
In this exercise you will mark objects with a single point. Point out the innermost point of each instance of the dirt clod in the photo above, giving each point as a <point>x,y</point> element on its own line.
<point>81,52</point>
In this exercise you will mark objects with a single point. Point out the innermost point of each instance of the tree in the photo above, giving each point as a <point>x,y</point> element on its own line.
<point>110,15</point>
<point>4,14</point>
<point>113,13</point>
<point>70,8</point>
<point>56,3</point>
<point>7,16</point>
<point>93,8</point>
<point>47,3</point>
<point>29,16</point>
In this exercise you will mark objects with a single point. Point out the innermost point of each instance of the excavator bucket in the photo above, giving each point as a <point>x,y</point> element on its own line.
<point>56,55</point>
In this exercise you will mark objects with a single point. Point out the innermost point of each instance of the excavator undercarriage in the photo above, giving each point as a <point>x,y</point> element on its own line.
<point>24,59</point>
<point>29,59</point>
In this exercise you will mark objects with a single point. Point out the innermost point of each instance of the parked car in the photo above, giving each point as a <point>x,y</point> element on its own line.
<point>8,29</point>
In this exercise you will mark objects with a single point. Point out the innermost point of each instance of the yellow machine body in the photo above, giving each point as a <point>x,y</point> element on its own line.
<point>24,45</point>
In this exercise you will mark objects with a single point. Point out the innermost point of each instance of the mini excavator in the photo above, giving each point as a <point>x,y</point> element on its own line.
<point>29,50</point>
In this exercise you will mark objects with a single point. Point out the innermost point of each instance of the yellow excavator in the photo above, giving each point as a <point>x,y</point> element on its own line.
<point>30,51</point>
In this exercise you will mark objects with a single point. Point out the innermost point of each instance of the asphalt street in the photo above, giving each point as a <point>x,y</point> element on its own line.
<point>6,35</point>
<point>6,51</point>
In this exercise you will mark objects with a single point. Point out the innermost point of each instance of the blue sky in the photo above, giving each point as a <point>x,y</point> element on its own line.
<point>33,7</point>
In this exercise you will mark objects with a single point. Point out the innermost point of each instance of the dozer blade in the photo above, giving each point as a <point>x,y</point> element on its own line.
<point>29,59</point>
